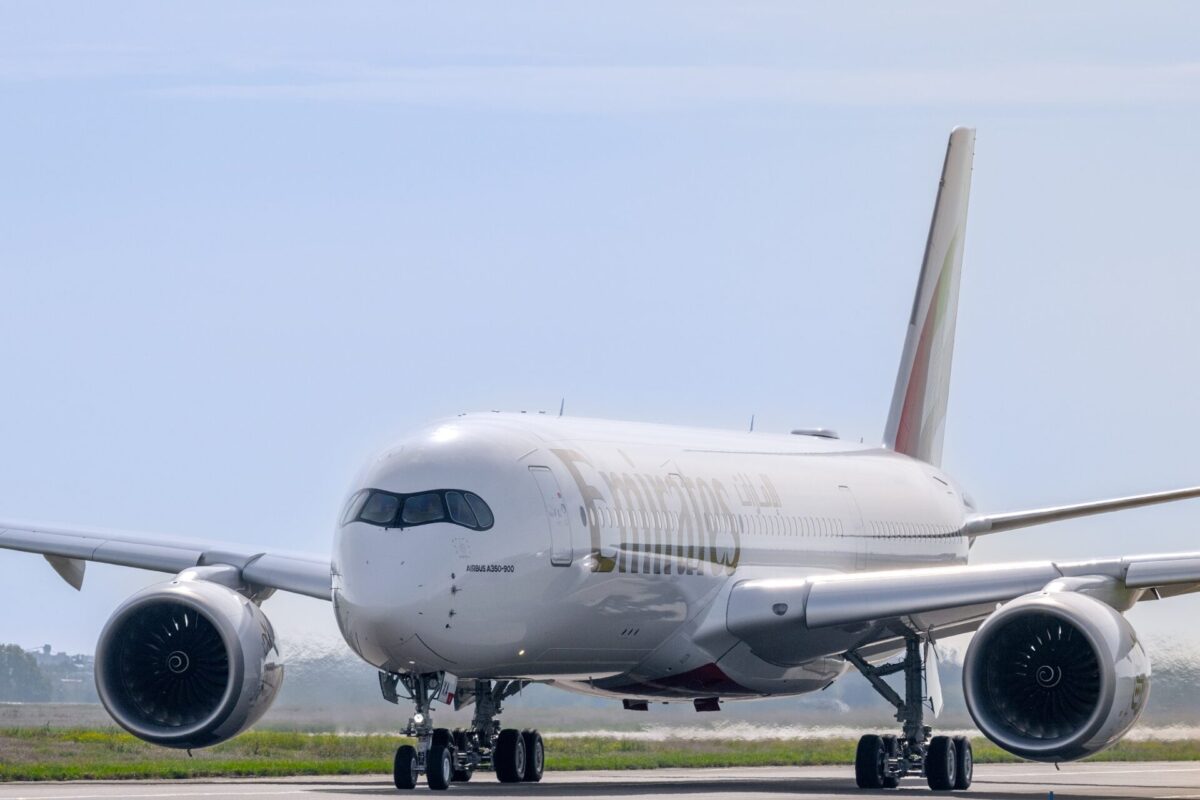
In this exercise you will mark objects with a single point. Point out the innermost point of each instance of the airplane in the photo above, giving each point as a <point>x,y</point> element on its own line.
<point>652,563</point>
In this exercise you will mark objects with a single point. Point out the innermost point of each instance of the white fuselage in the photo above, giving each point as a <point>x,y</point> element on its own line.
<point>614,545</point>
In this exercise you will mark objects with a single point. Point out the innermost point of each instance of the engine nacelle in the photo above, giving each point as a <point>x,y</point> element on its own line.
<point>187,663</point>
<point>1055,676</point>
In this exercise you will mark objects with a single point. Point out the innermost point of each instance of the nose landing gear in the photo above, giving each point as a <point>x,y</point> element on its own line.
<point>446,756</point>
<point>881,761</point>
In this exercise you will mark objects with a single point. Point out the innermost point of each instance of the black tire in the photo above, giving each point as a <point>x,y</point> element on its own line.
<point>442,737</point>
<point>404,767</point>
<point>508,759</point>
<point>964,763</point>
<point>940,764</point>
<point>891,746</point>
<point>535,756</point>
<point>868,762</point>
<point>439,767</point>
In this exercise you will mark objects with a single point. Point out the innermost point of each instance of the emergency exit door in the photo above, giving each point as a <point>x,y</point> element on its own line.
<point>556,516</point>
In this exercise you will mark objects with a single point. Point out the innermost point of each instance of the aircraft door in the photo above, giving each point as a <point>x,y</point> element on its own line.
<point>855,530</point>
<point>557,517</point>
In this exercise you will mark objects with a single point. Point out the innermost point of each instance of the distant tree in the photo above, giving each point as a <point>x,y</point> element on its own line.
<point>21,678</point>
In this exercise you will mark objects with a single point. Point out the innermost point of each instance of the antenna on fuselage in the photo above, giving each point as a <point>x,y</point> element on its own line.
<point>752,423</point>
<point>562,404</point>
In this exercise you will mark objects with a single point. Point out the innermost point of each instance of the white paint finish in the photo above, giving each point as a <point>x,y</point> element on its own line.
<point>674,515</point>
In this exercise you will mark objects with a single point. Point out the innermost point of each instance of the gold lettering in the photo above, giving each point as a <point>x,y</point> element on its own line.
<point>732,559</point>
<point>625,494</point>
<point>571,460</point>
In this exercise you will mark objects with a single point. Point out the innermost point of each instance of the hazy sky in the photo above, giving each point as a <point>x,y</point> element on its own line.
<point>244,245</point>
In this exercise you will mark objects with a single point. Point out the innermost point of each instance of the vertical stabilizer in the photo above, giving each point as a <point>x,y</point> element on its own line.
<point>917,420</point>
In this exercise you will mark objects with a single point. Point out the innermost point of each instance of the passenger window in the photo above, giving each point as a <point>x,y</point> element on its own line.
<point>421,508</point>
<point>380,508</point>
<point>483,514</point>
<point>460,512</point>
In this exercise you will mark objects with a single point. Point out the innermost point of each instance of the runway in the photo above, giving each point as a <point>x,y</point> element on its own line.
<point>1164,781</point>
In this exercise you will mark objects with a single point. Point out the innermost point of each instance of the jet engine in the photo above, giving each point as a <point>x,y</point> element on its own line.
<point>1056,676</point>
<point>187,663</point>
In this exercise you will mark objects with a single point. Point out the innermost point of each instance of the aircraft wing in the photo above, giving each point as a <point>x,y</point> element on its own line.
<point>982,524</point>
<point>874,609</point>
<point>68,550</point>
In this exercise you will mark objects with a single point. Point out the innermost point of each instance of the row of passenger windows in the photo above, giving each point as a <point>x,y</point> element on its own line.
<point>764,524</point>
<point>911,530</point>
<point>606,517</point>
<point>391,510</point>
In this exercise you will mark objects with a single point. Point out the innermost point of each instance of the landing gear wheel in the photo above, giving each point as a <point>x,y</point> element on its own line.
<point>404,767</point>
<point>964,763</point>
<point>868,762</point>
<point>508,759</point>
<point>535,756</point>
<point>439,766</point>
<point>891,749</point>
<point>940,766</point>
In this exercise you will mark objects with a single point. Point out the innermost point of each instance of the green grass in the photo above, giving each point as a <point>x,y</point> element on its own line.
<point>33,754</point>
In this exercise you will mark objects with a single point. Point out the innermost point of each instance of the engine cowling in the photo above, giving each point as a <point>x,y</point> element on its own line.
<point>1056,676</point>
<point>187,663</point>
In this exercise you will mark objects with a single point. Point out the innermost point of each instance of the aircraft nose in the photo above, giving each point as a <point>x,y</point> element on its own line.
<point>378,604</point>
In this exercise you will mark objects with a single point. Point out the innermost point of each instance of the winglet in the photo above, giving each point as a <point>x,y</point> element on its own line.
<point>917,421</point>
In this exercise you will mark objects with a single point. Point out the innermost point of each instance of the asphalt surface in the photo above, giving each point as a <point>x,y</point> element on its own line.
<point>1166,781</point>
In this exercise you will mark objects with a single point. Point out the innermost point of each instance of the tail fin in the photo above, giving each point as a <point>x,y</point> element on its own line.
<point>917,420</point>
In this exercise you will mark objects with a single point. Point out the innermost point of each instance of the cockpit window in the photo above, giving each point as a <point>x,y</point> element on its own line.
<point>380,508</point>
<point>391,510</point>
<point>354,506</point>
<point>460,512</point>
<point>421,508</point>
<point>482,512</point>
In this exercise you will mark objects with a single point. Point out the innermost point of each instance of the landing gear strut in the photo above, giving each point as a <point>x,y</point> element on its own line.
<point>446,756</point>
<point>881,761</point>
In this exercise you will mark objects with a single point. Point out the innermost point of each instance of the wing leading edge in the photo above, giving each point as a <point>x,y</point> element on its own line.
<point>68,550</point>
<point>867,609</point>
<point>982,524</point>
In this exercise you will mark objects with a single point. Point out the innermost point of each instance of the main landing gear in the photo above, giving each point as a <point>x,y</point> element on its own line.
<point>452,756</point>
<point>881,761</point>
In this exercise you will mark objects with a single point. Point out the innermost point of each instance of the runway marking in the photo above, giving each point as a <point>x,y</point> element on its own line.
<point>982,769</point>
<point>161,794</point>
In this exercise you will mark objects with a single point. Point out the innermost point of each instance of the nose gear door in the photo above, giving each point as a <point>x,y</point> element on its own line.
<point>556,516</point>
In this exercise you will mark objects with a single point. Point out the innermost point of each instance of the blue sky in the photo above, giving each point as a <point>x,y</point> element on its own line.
<point>246,245</point>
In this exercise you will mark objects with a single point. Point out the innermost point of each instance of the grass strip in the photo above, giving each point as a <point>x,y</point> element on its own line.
<point>33,754</point>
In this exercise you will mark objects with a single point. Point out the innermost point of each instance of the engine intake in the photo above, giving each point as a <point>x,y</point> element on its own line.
<point>1055,676</point>
<point>187,663</point>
